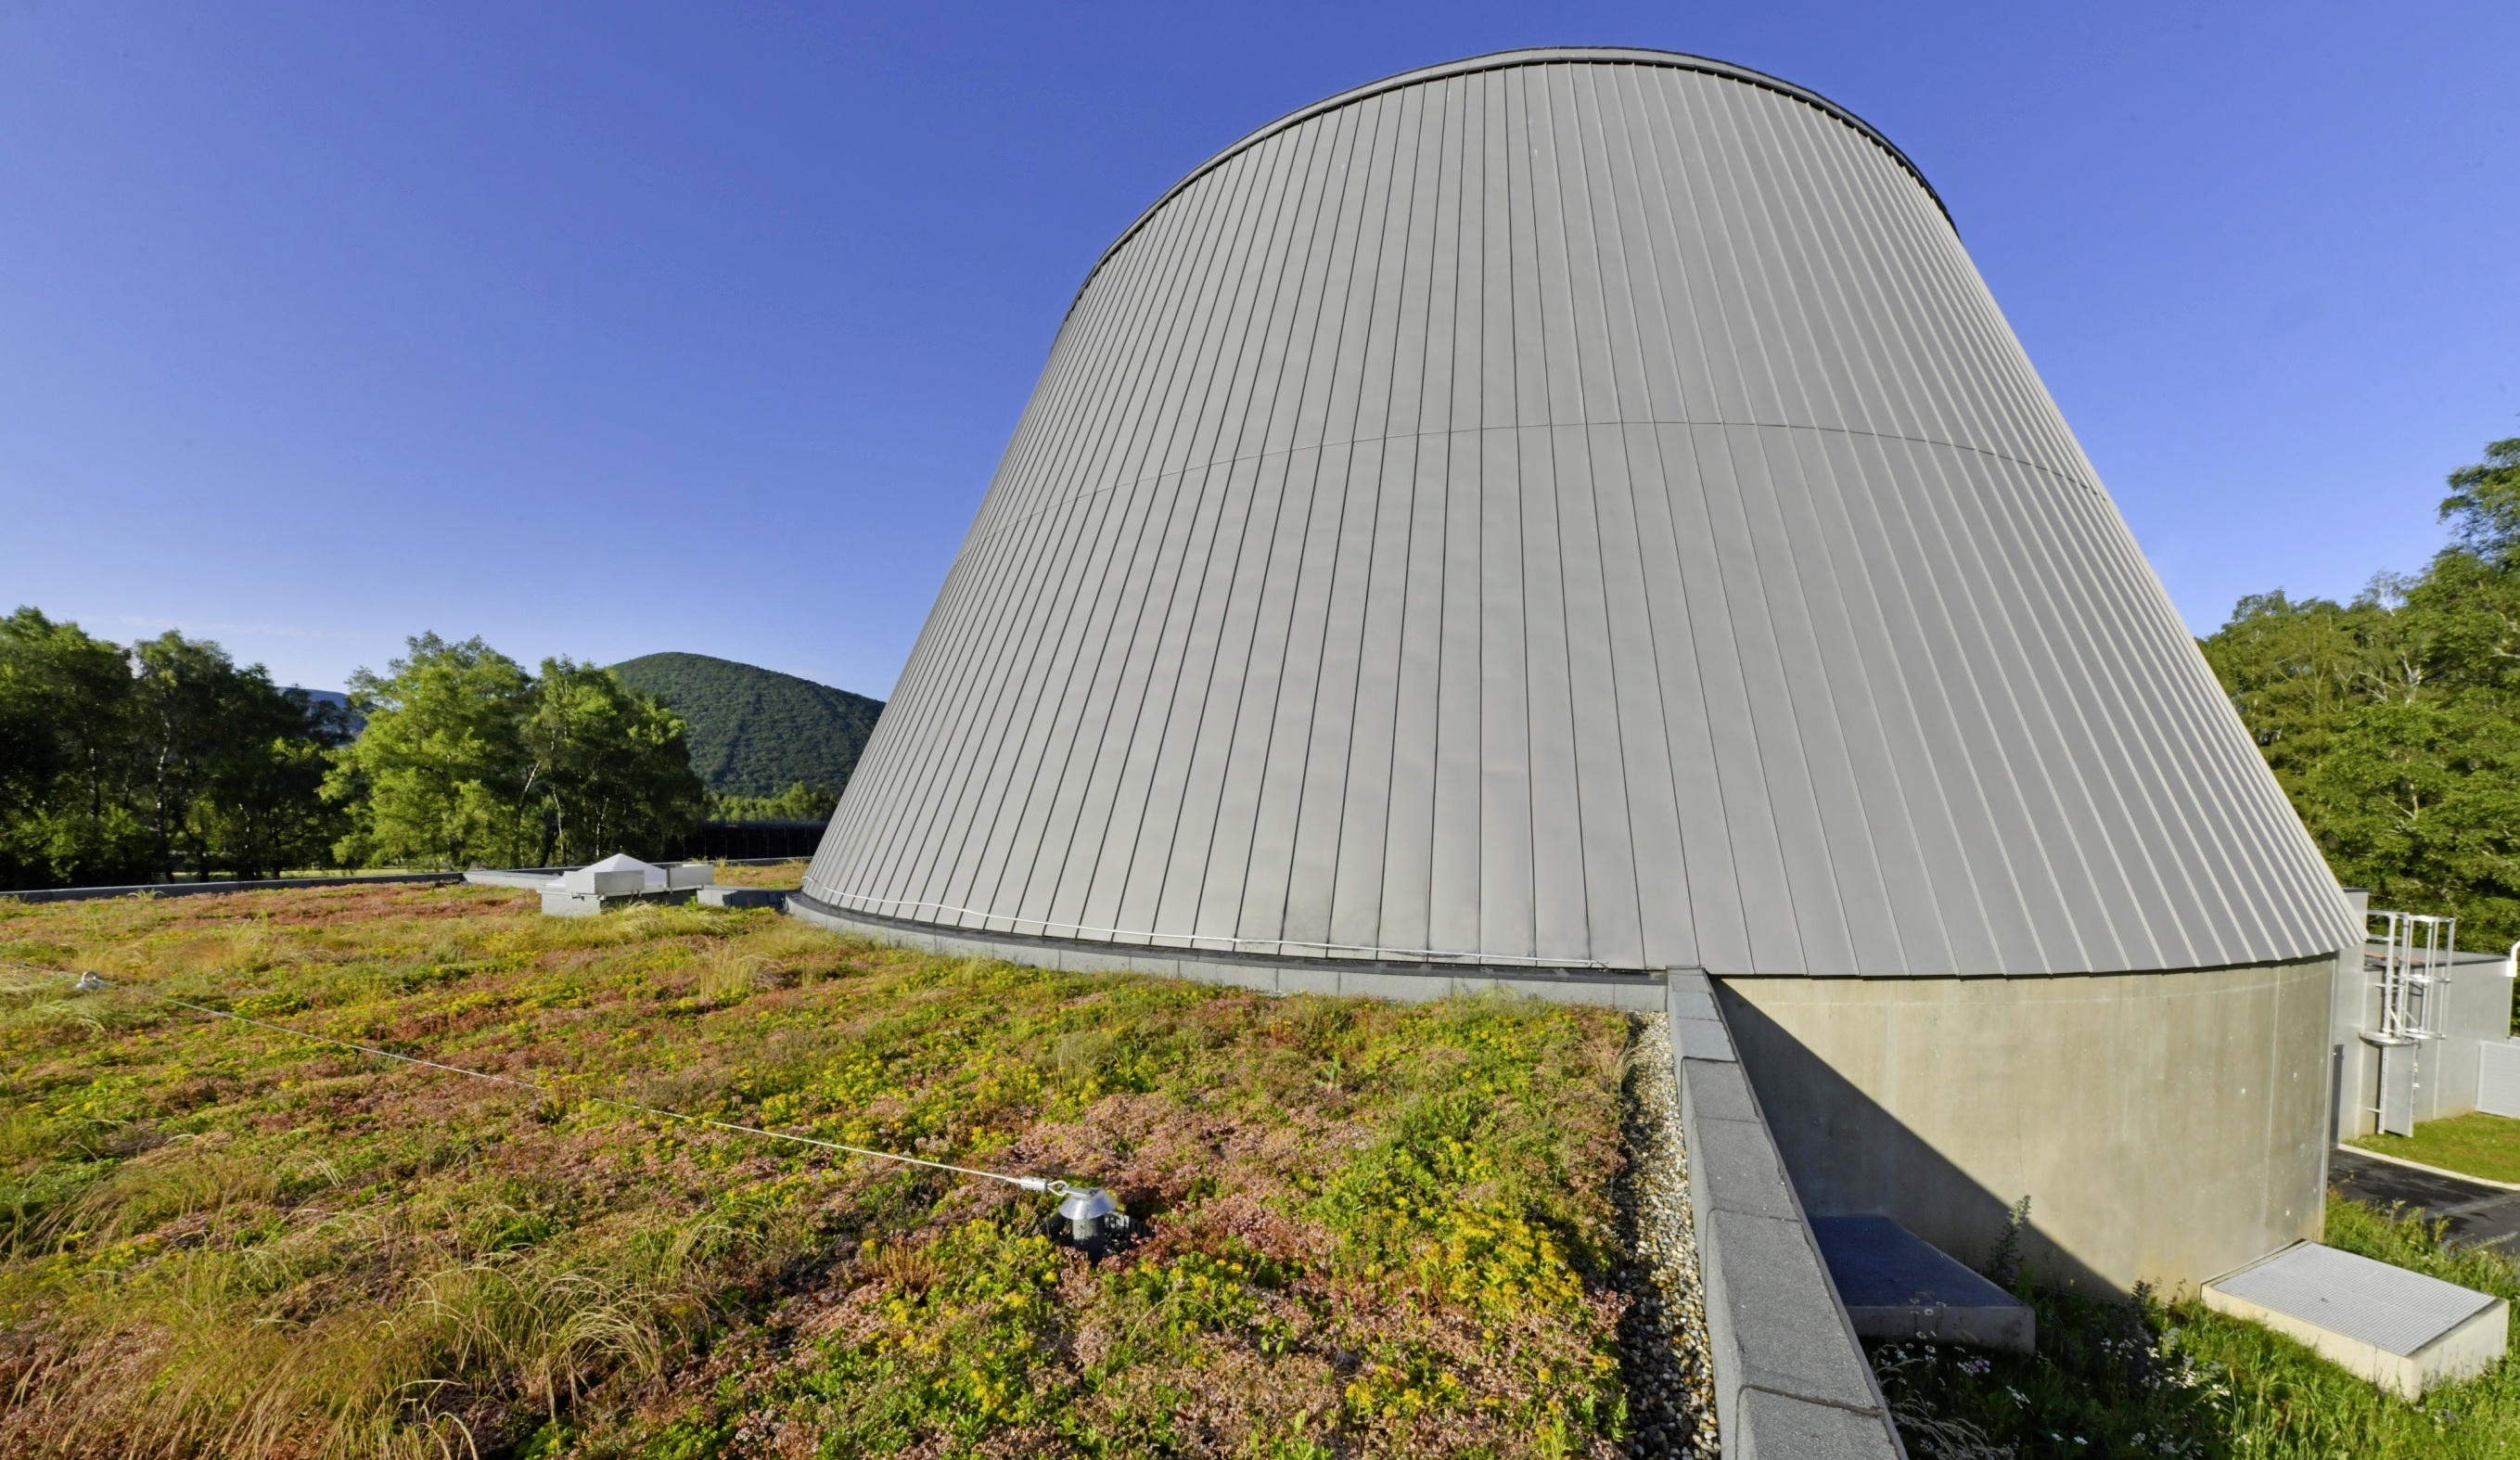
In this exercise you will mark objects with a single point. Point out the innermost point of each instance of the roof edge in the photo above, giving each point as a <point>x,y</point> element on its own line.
<point>1506,61</point>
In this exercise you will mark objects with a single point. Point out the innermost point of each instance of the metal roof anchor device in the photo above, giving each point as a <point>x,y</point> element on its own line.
<point>1091,1212</point>
<point>89,982</point>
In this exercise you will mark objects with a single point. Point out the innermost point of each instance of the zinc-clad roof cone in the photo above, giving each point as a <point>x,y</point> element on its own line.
<point>1573,506</point>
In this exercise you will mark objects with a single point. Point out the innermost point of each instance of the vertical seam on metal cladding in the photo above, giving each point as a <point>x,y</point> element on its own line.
<point>1968,362</point>
<point>1916,341</point>
<point>1274,327</point>
<point>943,823</point>
<point>1837,262</point>
<point>1460,151</point>
<point>1326,378</point>
<point>1295,367</point>
<point>886,850</point>
<point>969,841</point>
<point>1791,782</point>
<point>958,826</point>
<point>1369,276</point>
<point>1566,135</point>
<point>1350,224</point>
<point>1314,184</point>
<point>1427,201</point>
<point>2150,813</point>
<point>1391,278</point>
<point>1437,158</point>
<point>1831,318</point>
<point>1647,298</point>
<point>1827,758</point>
<point>1227,335</point>
<point>1543,563</point>
<point>1900,341</point>
<point>1817,599</point>
<point>1987,374</point>
<point>1582,84</point>
<point>1033,853</point>
<point>1516,260</point>
<point>1212,752</point>
<point>1283,186</point>
<point>1681,190</point>
<point>1613,913</point>
<point>1198,270</point>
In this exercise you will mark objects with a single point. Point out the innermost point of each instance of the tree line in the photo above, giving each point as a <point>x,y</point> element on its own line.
<point>2393,721</point>
<point>130,763</point>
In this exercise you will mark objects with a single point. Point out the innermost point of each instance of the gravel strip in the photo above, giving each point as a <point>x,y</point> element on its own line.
<point>1670,1380</point>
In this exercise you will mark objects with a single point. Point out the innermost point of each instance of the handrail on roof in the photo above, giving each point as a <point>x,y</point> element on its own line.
<point>1503,61</point>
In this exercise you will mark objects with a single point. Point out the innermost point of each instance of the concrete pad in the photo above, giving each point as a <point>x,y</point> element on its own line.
<point>1896,1284</point>
<point>2401,1330</point>
<point>717,897</point>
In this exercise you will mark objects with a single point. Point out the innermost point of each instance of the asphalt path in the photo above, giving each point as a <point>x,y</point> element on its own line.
<point>2478,1214</point>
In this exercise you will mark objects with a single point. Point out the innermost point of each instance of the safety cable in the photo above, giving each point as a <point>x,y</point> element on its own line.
<point>91,984</point>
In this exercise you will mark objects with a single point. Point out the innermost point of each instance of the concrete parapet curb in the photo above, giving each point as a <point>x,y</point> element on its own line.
<point>1791,1377</point>
<point>215,889</point>
<point>530,878</point>
<point>1406,983</point>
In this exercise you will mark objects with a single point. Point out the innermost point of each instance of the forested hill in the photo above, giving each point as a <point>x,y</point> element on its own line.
<point>756,732</point>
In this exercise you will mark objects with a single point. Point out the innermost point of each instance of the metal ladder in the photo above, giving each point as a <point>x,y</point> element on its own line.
<point>2415,951</point>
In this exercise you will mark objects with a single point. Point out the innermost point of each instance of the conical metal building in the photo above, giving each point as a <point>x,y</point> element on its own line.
<point>1570,514</point>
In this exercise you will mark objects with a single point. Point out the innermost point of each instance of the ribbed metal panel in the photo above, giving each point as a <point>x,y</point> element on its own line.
<point>1576,507</point>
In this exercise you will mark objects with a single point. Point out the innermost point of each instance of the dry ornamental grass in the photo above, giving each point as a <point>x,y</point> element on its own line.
<point>1368,1229</point>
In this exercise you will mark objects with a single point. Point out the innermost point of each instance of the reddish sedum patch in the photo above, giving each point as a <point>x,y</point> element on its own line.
<point>1365,1228</point>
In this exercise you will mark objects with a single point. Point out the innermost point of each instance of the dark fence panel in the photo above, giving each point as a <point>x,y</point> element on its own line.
<point>731,840</point>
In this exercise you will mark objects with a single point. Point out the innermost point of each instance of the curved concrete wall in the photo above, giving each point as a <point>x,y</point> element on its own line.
<point>2166,1126</point>
<point>1565,510</point>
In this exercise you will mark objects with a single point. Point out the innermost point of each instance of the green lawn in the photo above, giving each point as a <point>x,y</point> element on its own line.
<point>2480,1145</point>
<point>1371,1228</point>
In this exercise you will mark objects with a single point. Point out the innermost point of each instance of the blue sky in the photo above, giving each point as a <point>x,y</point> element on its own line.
<point>601,330</point>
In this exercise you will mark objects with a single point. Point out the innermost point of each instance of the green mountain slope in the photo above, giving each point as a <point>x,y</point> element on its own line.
<point>756,732</point>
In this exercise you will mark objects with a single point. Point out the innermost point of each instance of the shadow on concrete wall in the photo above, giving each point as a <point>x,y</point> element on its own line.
<point>1848,1157</point>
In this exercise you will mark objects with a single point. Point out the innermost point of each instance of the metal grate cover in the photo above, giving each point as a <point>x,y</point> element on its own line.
<point>2388,1306</point>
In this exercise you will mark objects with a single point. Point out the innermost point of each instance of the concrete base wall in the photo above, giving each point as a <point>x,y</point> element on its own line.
<point>2166,1126</point>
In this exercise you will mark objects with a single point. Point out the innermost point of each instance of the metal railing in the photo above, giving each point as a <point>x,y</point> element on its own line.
<point>2416,953</point>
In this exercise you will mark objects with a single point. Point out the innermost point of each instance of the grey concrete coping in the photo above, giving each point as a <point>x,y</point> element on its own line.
<point>532,878</point>
<point>214,888</point>
<point>1790,1376</point>
<point>1404,982</point>
<point>721,897</point>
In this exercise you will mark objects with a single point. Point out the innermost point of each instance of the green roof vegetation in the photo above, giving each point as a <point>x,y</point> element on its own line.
<point>757,732</point>
<point>1365,1228</point>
